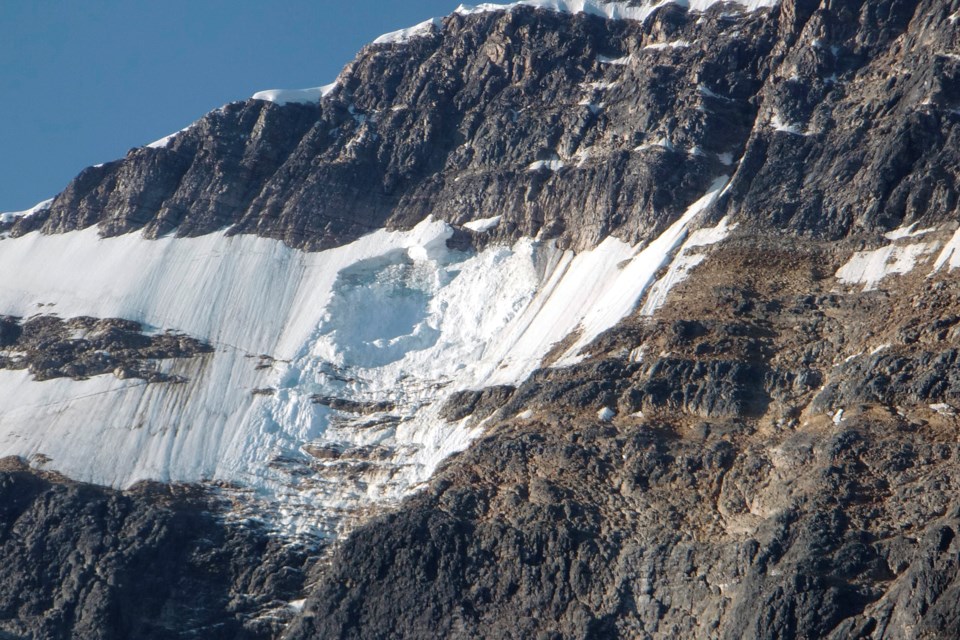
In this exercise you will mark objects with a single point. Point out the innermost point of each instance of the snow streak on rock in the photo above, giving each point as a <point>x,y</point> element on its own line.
<point>611,10</point>
<point>290,96</point>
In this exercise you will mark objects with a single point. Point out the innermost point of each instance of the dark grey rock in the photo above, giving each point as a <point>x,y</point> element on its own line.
<point>80,561</point>
<point>733,508</point>
<point>50,347</point>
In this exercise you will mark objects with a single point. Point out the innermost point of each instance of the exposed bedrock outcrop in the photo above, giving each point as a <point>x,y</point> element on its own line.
<point>833,117</point>
<point>78,348</point>
<point>723,471</point>
<point>81,561</point>
<point>772,454</point>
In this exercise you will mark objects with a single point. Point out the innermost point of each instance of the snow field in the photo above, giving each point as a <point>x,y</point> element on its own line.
<point>394,317</point>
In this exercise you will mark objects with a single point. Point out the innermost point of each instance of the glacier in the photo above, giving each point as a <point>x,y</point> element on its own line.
<point>392,323</point>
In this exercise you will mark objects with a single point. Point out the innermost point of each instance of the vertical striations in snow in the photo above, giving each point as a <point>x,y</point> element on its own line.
<point>686,260</point>
<point>610,281</point>
<point>323,393</point>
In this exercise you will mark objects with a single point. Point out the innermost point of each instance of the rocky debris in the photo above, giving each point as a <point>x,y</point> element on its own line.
<point>710,389</point>
<point>336,451</point>
<point>575,530</point>
<point>893,379</point>
<point>773,455</point>
<point>478,403</point>
<point>353,406</point>
<point>79,348</point>
<point>155,561</point>
<point>782,463</point>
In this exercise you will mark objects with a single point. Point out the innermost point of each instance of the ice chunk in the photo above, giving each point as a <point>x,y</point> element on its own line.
<point>483,224</point>
<point>549,165</point>
<point>944,409</point>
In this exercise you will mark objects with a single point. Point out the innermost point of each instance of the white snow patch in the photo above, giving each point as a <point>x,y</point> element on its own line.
<point>165,141</point>
<point>879,348</point>
<point>663,143</point>
<point>907,232</point>
<point>549,165</point>
<point>483,224</point>
<point>393,316</point>
<point>684,262</point>
<point>10,216</point>
<point>705,91</point>
<point>525,415</point>
<point>606,414</point>
<point>838,416</point>
<point>610,10</point>
<point>944,409</point>
<point>291,96</point>
<point>614,61</point>
<point>725,158</point>
<point>420,30</point>
<point>297,605</point>
<point>778,124</point>
<point>673,44</point>
<point>870,267</point>
<point>950,254</point>
<point>599,85</point>
<point>609,281</point>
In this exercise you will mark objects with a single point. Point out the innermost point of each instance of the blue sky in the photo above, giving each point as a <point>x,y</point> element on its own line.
<point>83,82</point>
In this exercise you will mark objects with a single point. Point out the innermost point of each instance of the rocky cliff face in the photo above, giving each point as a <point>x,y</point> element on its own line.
<point>82,561</point>
<point>835,118</point>
<point>764,447</point>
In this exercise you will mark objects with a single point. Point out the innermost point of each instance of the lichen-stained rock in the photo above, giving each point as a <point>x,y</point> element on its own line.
<point>576,530</point>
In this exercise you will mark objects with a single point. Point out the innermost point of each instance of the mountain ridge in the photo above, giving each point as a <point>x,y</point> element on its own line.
<point>534,324</point>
